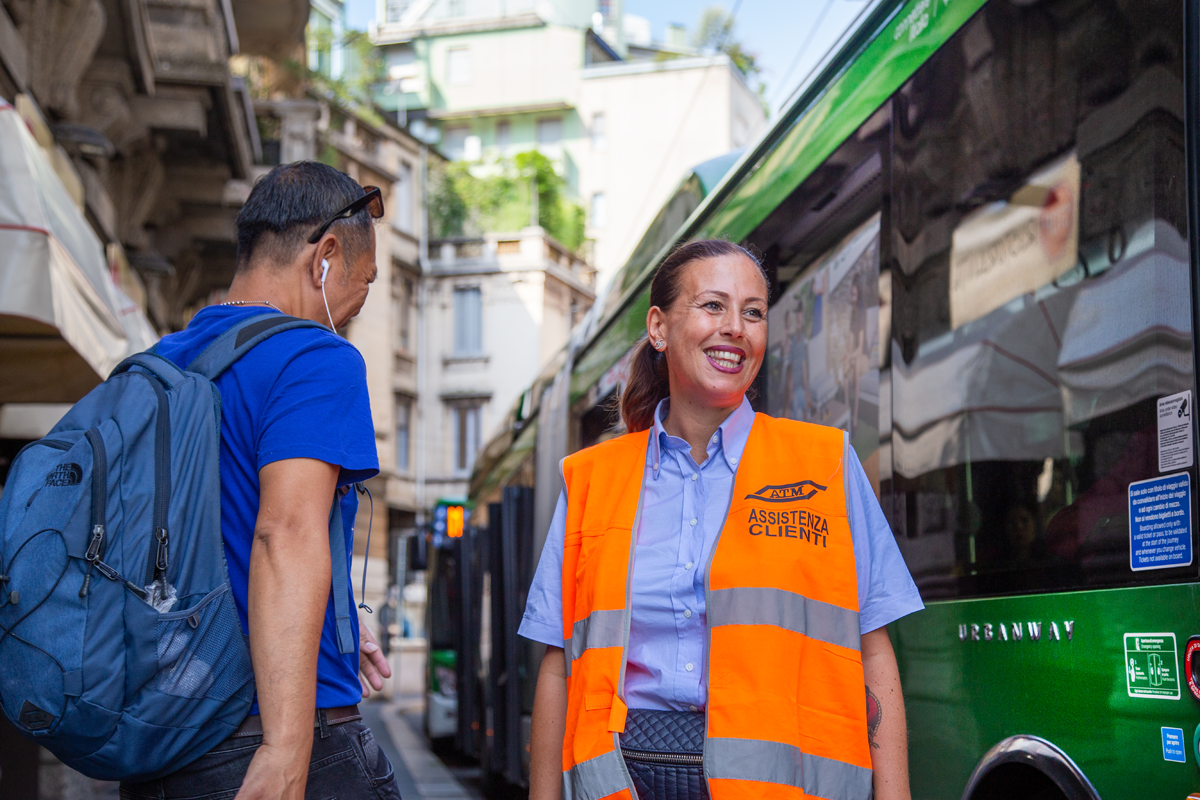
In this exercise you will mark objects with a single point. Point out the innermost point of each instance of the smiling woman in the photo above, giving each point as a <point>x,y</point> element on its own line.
<point>717,575</point>
<point>697,293</point>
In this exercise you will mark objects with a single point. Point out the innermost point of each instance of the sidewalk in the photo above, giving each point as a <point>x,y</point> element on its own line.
<point>420,774</point>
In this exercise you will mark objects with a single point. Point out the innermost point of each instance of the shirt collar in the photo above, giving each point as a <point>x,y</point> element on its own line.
<point>731,435</point>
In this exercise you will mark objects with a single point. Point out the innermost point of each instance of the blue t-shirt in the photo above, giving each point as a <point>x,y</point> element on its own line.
<point>299,394</point>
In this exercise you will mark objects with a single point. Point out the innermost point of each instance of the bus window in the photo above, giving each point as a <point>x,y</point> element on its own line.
<point>1040,294</point>
<point>824,248</point>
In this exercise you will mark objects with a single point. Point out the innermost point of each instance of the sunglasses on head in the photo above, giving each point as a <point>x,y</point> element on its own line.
<point>372,201</point>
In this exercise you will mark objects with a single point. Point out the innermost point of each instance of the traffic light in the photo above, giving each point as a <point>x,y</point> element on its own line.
<point>454,521</point>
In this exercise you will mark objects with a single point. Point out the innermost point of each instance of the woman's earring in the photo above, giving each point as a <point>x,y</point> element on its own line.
<point>660,344</point>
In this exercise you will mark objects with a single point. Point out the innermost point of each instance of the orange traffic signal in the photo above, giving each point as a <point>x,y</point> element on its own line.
<point>454,521</point>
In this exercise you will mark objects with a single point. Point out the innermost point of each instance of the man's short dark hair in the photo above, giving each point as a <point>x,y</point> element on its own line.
<point>289,202</point>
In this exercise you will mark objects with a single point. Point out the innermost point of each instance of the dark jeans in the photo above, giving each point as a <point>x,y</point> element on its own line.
<point>346,765</point>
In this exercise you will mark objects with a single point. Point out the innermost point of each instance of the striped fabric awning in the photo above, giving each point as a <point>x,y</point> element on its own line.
<point>64,324</point>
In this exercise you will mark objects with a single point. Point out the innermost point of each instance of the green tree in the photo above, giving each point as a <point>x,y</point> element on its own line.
<point>500,199</point>
<point>562,218</point>
<point>714,33</point>
<point>447,206</point>
<point>363,65</point>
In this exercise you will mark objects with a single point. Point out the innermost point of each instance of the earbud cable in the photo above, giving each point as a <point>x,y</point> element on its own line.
<point>332,327</point>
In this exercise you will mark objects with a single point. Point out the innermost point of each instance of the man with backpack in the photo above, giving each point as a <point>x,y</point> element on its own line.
<point>295,428</point>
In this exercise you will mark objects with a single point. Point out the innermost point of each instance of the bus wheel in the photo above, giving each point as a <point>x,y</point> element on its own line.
<point>1028,767</point>
<point>1017,780</point>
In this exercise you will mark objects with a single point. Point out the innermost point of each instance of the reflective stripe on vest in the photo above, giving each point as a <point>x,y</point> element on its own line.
<point>772,762</point>
<point>602,776</point>
<point>598,629</point>
<point>751,605</point>
<point>781,600</point>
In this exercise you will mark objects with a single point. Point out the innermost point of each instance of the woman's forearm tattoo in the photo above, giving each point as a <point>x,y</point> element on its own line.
<point>874,716</point>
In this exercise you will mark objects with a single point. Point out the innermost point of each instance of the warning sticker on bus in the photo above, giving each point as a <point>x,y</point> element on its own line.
<point>1160,522</point>
<point>1175,431</point>
<point>1151,665</point>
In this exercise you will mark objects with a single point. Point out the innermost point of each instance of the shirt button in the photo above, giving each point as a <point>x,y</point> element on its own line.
<point>687,613</point>
<point>694,476</point>
<point>732,460</point>
<point>688,667</point>
<point>692,708</point>
<point>714,438</point>
<point>688,565</point>
<point>656,467</point>
<point>693,522</point>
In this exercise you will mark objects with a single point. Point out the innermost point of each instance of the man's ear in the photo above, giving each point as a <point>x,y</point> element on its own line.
<point>325,260</point>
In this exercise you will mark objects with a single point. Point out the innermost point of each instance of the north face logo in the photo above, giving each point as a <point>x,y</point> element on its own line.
<point>788,492</point>
<point>65,475</point>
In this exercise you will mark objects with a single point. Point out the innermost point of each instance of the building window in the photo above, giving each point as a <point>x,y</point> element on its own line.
<point>472,148</point>
<point>455,8</point>
<point>503,133</point>
<point>549,131</point>
<point>402,200</point>
<point>458,66</point>
<point>394,9</point>
<point>468,321</point>
<point>599,131</point>
<point>320,43</point>
<point>406,305</point>
<point>456,141</point>
<point>403,427</point>
<point>402,303</point>
<point>466,435</point>
<point>599,210</point>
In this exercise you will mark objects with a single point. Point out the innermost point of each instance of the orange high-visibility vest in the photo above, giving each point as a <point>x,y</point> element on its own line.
<point>786,713</point>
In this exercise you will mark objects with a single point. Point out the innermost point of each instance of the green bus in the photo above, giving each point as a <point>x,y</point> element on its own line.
<point>976,216</point>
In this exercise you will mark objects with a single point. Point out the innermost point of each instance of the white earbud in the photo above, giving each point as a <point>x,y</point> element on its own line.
<point>324,272</point>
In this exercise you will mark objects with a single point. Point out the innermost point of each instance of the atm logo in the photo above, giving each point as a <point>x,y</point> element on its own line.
<point>65,475</point>
<point>787,493</point>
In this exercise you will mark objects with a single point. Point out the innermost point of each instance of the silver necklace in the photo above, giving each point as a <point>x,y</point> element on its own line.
<point>251,303</point>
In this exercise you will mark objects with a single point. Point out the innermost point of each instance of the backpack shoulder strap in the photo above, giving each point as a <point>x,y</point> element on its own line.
<point>341,577</point>
<point>153,363</point>
<point>240,339</point>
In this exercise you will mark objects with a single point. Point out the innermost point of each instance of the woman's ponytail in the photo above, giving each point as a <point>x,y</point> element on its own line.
<point>648,380</point>
<point>647,385</point>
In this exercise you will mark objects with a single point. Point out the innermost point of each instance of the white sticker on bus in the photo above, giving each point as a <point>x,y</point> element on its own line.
<point>1160,522</point>
<point>1175,431</point>
<point>1151,666</point>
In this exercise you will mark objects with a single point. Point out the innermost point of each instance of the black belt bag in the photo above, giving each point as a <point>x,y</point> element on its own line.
<point>664,752</point>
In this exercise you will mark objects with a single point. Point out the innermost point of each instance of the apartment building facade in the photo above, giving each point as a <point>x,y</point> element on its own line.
<point>497,307</point>
<point>486,79</point>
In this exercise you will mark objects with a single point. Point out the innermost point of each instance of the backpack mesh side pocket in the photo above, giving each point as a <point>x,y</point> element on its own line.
<point>201,651</point>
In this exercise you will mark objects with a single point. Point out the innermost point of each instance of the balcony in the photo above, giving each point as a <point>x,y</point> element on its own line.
<point>530,248</point>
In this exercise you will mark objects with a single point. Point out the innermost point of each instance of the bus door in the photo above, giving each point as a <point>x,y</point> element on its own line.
<point>510,541</point>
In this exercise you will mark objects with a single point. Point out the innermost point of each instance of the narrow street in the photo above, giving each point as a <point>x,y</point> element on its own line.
<point>420,774</point>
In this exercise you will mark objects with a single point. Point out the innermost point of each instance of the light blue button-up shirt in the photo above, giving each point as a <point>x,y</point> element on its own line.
<point>683,509</point>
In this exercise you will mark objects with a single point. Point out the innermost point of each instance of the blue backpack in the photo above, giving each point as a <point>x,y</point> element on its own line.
<point>120,646</point>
